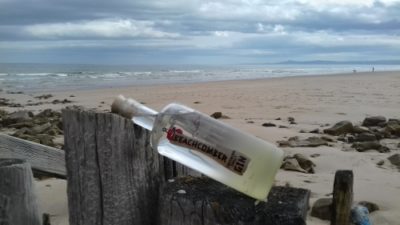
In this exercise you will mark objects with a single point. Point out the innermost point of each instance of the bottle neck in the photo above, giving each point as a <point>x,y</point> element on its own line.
<point>137,112</point>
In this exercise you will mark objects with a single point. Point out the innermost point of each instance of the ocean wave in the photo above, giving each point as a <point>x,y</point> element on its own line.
<point>110,75</point>
<point>71,78</point>
<point>185,71</point>
<point>142,73</point>
<point>32,74</point>
<point>61,74</point>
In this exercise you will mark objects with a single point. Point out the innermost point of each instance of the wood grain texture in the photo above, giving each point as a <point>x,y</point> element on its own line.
<point>113,173</point>
<point>342,197</point>
<point>43,159</point>
<point>202,201</point>
<point>174,169</point>
<point>18,205</point>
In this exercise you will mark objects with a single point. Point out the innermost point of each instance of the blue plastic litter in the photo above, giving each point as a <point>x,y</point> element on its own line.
<point>360,215</point>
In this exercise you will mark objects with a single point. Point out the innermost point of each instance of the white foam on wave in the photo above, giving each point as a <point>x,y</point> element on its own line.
<point>185,71</point>
<point>146,73</point>
<point>33,74</point>
<point>110,75</point>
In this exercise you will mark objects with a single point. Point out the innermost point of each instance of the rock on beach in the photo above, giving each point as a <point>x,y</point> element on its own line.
<point>41,128</point>
<point>342,127</point>
<point>374,121</point>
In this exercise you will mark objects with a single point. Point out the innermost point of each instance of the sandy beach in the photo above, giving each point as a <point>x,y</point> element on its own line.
<point>315,102</point>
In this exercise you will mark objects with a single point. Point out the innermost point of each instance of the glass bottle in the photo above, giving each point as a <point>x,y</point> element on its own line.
<point>215,149</point>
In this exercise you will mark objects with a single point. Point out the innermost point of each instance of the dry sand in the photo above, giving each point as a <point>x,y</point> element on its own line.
<point>312,101</point>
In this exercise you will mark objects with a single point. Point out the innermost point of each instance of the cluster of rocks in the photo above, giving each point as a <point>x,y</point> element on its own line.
<point>368,135</point>
<point>308,142</point>
<point>8,103</point>
<point>362,137</point>
<point>57,101</point>
<point>45,96</point>
<point>41,128</point>
<point>298,162</point>
<point>269,124</point>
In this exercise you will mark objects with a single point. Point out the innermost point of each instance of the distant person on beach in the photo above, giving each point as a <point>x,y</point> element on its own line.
<point>373,69</point>
<point>354,71</point>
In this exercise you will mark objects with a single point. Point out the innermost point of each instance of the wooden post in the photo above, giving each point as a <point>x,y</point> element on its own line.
<point>174,169</point>
<point>113,174</point>
<point>18,204</point>
<point>46,219</point>
<point>202,201</point>
<point>44,160</point>
<point>342,197</point>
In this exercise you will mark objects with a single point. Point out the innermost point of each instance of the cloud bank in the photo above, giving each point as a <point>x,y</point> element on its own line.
<point>114,28</point>
<point>198,31</point>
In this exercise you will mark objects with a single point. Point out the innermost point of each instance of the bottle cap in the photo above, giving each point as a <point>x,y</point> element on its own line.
<point>129,108</point>
<point>137,112</point>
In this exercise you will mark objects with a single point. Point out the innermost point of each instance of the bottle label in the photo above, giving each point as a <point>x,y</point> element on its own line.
<point>233,160</point>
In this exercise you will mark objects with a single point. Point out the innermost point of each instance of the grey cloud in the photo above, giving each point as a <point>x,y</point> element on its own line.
<point>298,47</point>
<point>20,12</point>
<point>225,28</point>
<point>282,12</point>
<point>114,28</point>
<point>374,19</point>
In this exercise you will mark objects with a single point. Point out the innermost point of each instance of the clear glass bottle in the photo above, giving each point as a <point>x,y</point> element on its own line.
<point>217,150</point>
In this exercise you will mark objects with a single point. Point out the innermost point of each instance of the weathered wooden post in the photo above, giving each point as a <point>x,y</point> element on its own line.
<point>44,160</point>
<point>113,174</point>
<point>202,201</point>
<point>174,169</point>
<point>46,219</point>
<point>18,204</point>
<point>342,197</point>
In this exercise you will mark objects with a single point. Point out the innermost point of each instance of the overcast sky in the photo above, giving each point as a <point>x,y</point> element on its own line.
<point>198,31</point>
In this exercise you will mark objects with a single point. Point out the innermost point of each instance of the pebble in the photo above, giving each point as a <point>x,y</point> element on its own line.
<point>181,192</point>
<point>268,125</point>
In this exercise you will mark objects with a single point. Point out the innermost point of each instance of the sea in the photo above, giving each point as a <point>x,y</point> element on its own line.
<point>28,77</point>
